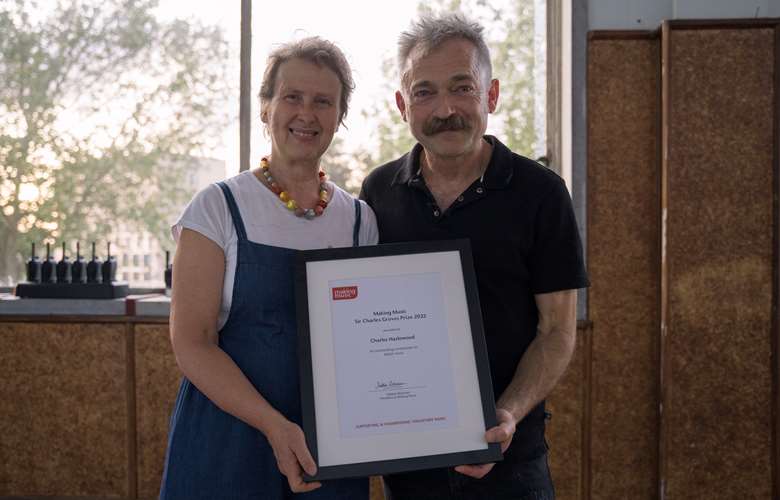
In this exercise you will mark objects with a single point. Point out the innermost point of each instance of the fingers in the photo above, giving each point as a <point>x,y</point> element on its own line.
<point>504,431</point>
<point>503,415</point>
<point>499,434</point>
<point>298,485</point>
<point>304,456</point>
<point>292,470</point>
<point>293,457</point>
<point>477,471</point>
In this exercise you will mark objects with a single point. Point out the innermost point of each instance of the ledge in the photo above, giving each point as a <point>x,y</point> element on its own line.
<point>148,305</point>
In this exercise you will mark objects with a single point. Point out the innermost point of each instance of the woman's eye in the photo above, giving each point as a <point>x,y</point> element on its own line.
<point>292,97</point>
<point>323,102</point>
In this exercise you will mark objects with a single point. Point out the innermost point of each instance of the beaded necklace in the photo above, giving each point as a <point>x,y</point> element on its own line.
<point>292,205</point>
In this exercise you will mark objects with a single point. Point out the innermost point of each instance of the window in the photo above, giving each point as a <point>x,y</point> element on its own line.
<point>170,97</point>
<point>193,139</point>
<point>515,32</point>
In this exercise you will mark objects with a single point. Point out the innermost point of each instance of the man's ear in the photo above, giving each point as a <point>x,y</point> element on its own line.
<point>399,101</point>
<point>493,92</point>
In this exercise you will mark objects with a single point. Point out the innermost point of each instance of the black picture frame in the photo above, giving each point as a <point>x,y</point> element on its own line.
<point>409,252</point>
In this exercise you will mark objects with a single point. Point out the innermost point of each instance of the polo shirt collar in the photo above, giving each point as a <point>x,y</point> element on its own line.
<point>497,175</point>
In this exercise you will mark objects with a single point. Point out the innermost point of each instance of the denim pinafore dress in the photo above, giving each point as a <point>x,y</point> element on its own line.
<point>212,454</point>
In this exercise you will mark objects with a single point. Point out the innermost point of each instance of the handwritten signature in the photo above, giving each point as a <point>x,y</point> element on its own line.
<point>390,384</point>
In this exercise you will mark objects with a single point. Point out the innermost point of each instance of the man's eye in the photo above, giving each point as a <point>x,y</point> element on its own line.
<point>464,89</point>
<point>422,93</point>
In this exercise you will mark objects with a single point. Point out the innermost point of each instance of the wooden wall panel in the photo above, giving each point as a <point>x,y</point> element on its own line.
<point>566,404</point>
<point>624,263</point>
<point>63,424</point>
<point>719,127</point>
<point>157,380</point>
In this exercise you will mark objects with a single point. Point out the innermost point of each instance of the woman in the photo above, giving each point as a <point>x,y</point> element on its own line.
<point>235,431</point>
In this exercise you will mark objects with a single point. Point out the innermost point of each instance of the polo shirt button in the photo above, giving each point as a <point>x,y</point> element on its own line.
<point>460,198</point>
<point>435,213</point>
<point>480,190</point>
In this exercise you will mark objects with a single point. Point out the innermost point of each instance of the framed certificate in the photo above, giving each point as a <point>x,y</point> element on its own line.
<point>393,363</point>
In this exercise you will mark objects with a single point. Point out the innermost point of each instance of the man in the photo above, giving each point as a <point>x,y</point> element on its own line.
<point>458,183</point>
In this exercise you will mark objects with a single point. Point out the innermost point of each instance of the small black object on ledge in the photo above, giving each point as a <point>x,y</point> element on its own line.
<point>48,271</point>
<point>109,266</point>
<point>33,267</point>
<point>168,271</point>
<point>64,268</point>
<point>79,267</point>
<point>94,268</point>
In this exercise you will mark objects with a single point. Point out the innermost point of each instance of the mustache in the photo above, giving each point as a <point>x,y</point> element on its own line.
<point>452,122</point>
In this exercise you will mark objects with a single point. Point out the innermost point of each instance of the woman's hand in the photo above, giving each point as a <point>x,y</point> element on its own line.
<point>292,454</point>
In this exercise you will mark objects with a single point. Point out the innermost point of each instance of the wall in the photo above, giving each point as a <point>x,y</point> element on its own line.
<point>648,14</point>
<point>683,244</point>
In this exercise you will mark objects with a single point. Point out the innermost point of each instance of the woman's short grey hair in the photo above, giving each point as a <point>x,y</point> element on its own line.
<point>315,50</point>
<point>430,31</point>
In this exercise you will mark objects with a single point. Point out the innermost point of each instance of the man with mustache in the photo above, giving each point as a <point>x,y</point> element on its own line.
<point>459,183</point>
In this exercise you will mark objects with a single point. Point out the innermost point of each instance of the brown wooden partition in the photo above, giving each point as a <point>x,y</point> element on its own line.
<point>720,162</point>
<point>63,410</point>
<point>566,428</point>
<point>624,262</point>
<point>684,261</point>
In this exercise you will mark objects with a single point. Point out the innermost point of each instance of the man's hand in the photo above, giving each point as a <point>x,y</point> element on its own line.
<point>502,433</point>
<point>292,455</point>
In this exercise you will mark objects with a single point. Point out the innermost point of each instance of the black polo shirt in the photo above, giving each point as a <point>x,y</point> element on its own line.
<point>524,239</point>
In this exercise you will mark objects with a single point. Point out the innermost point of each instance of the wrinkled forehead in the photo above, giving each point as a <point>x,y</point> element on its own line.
<point>451,58</point>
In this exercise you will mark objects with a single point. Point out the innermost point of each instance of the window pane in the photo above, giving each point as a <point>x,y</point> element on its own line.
<point>375,133</point>
<point>112,115</point>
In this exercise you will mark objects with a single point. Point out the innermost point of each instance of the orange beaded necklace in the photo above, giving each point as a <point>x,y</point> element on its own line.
<point>292,205</point>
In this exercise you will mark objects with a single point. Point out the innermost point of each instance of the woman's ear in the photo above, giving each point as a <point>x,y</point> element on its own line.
<point>264,113</point>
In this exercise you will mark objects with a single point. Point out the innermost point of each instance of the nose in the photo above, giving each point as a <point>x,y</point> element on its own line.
<point>306,111</point>
<point>444,107</point>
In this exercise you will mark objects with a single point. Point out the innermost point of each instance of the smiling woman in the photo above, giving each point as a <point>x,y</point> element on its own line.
<point>304,97</point>
<point>235,430</point>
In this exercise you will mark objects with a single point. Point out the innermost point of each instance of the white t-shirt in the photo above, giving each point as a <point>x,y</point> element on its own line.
<point>269,222</point>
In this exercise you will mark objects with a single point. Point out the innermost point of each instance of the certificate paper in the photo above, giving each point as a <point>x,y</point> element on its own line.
<point>393,367</point>
<point>393,364</point>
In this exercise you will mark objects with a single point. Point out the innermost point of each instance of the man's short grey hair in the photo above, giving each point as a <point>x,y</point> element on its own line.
<point>431,30</point>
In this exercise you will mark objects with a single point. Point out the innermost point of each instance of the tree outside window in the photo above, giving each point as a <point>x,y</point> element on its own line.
<point>97,97</point>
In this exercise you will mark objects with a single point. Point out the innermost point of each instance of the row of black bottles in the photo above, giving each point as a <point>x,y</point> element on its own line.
<point>67,271</point>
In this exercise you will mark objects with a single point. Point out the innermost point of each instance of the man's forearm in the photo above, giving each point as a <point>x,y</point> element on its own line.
<point>540,368</point>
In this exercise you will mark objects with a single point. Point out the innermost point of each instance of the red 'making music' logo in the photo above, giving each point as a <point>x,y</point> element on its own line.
<point>344,292</point>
